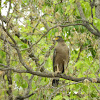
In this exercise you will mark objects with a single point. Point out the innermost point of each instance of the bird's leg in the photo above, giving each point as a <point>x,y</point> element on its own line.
<point>58,71</point>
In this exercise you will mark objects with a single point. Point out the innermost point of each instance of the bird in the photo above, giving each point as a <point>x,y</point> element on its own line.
<point>60,58</point>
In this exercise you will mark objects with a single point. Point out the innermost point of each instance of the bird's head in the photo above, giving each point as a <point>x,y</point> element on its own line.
<point>58,39</point>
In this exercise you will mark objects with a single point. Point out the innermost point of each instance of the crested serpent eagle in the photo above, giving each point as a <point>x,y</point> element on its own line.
<point>60,58</point>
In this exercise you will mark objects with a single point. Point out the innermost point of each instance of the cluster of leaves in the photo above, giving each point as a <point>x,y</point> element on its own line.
<point>32,19</point>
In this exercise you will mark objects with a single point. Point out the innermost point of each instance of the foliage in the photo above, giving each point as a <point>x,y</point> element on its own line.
<point>33,24</point>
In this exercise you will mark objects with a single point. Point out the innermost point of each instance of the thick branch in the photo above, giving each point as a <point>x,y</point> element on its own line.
<point>9,78</point>
<point>14,70</point>
<point>9,35</point>
<point>52,75</point>
<point>93,31</point>
<point>17,49</point>
<point>31,54</point>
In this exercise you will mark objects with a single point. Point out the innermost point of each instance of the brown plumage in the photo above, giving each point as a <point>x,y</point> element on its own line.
<point>60,58</point>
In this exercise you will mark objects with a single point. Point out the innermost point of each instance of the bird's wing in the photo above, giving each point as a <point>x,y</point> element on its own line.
<point>54,56</point>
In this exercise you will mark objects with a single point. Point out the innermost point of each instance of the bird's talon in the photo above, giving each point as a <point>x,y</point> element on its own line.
<point>57,72</point>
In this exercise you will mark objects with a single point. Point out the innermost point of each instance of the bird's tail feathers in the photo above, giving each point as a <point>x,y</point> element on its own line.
<point>55,82</point>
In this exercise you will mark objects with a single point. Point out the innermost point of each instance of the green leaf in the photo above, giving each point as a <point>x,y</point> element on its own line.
<point>58,97</point>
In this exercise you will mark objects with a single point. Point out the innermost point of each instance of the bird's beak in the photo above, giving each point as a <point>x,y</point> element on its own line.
<point>56,38</point>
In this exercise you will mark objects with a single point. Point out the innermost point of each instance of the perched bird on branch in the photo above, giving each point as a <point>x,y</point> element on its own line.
<point>60,58</point>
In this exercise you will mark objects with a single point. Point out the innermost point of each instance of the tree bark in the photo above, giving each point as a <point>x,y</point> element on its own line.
<point>97,8</point>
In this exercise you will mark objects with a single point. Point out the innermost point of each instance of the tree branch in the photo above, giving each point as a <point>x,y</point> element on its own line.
<point>3,19</point>
<point>9,35</point>
<point>93,31</point>
<point>29,95</point>
<point>17,49</point>
<point>29,85</point>
<point>9,8</point>
<point>14,70</point>
<point>79,54</point>
<point>31,54</point>
<point>91,10</point>
<point>45,24</point>
<point>9,78</point>
<point>51,75</point>
<point>36,25</point>
<point>61,88</point>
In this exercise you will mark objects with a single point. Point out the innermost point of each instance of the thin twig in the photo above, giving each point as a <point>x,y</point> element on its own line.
<point>79,54</point>
<point>59,88</point>
<point>91,11</point>
<point>97,89</point>
<point>9,8</point>
<point>29,85</point>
